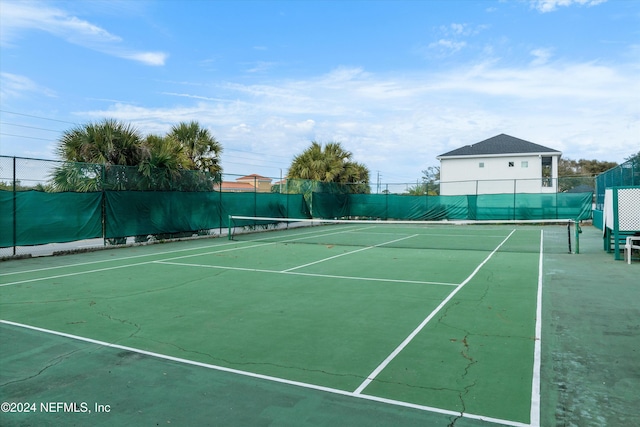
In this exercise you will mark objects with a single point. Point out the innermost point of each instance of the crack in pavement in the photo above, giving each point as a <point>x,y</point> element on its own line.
<point>471,361</point>
<point>123,321</point>
<point>55,361</point>
<point>231,362</point>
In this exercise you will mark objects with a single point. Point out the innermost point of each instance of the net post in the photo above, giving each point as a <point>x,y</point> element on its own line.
<point>569,235</point>
<point>577,232</point>
<point>229,230</point>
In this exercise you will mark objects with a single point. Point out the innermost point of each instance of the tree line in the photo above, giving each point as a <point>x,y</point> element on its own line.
<point>115,155</point>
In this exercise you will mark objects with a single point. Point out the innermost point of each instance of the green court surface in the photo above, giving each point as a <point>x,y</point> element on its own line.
<point>460,326</point>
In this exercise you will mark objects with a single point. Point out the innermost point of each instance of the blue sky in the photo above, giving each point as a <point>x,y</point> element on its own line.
<point>396,82</point>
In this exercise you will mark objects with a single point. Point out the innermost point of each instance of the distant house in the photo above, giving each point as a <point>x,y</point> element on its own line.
<point>250,183</point>
<point>501,164</point>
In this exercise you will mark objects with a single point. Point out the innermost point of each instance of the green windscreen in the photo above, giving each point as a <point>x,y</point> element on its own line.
<point>481,207</point>
<point>38,217</point>
<point>49,217</point>
<point>139,213</point>
<point>136,213</point>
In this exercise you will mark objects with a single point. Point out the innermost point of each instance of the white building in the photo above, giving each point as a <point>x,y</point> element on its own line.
<point>502,164</point>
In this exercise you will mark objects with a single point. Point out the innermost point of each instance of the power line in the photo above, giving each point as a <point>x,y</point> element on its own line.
<point>256,153</point>
<point>30,127</point>
<point>63,121</point>
<point>36,117</point>
<point>252,159</point>
<point>22,136</point>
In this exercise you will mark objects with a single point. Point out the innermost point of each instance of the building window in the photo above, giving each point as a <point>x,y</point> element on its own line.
<point>481,164</point>
<point>547,163</point>
<point>510,164</point>
<point>524,164</point>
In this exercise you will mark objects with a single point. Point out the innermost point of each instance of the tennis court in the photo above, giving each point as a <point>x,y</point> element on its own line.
<point>417,323</point>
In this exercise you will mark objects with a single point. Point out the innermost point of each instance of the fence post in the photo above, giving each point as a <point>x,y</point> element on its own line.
<point>255,196</point>
<point>286,189</point>
<point>104,205</point>
<point>386,202</point>
<point>514,197</point>
<point>15,214</point>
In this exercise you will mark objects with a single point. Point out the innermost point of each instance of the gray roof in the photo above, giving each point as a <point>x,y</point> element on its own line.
<point>500,144</point>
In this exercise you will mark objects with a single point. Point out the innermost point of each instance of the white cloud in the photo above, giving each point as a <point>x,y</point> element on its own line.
<point>453,38</point>
<point>260,67</point>
<point>16,86</point>
<point>541,56</point>
<point>466,30</point>
<point>458,28</point>
<point>411,119</point>
<point>149,58</point>
<point>447,46</point>
<point>551,5</point>
<point>19,17</point>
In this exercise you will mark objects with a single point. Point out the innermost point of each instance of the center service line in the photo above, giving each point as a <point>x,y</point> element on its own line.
<point>348,253</point>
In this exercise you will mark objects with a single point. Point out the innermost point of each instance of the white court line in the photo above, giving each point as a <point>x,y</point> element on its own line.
<point>415,332</point>
<point>146,262</point>
<point>74,274</point>
<point>237,243</point>
<point>373,279</point>
<point>125,266</point>
<point>268,377</point>
<point>328,276</point>
<point>537,350</point>
<point>313,233</point>
<point>348,253</point>
<point>480,236</point>
<point>133,257</point>
<point>266,241</point>
<point>114,259</point>
<point>142,263</point>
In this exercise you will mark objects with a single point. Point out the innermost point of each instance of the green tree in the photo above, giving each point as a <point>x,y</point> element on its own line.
<point>113,155</point>
<point>580,173</point>
<point>108,142</point>
<point>91,150</point>
<point>583,167</point>
<point>420,189</point>
<point>199,146</point>
<point>163,163</point>
<point>634,157</point>
<point>431,179</point>
<point>330,164</point>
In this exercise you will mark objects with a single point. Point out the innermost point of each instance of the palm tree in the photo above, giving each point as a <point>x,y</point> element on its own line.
<point>163,163</point>
<point>109,143</point>
<point>330,164</point>
<point>200,147</point>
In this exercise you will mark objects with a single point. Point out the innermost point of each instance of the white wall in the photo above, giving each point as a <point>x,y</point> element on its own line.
<point>463,175</point>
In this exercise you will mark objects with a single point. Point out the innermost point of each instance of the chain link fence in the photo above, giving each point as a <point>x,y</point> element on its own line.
<point>624,175</point>
<point>45,204</point>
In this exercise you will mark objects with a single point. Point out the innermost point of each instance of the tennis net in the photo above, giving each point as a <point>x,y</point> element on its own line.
<point>560,236</point>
